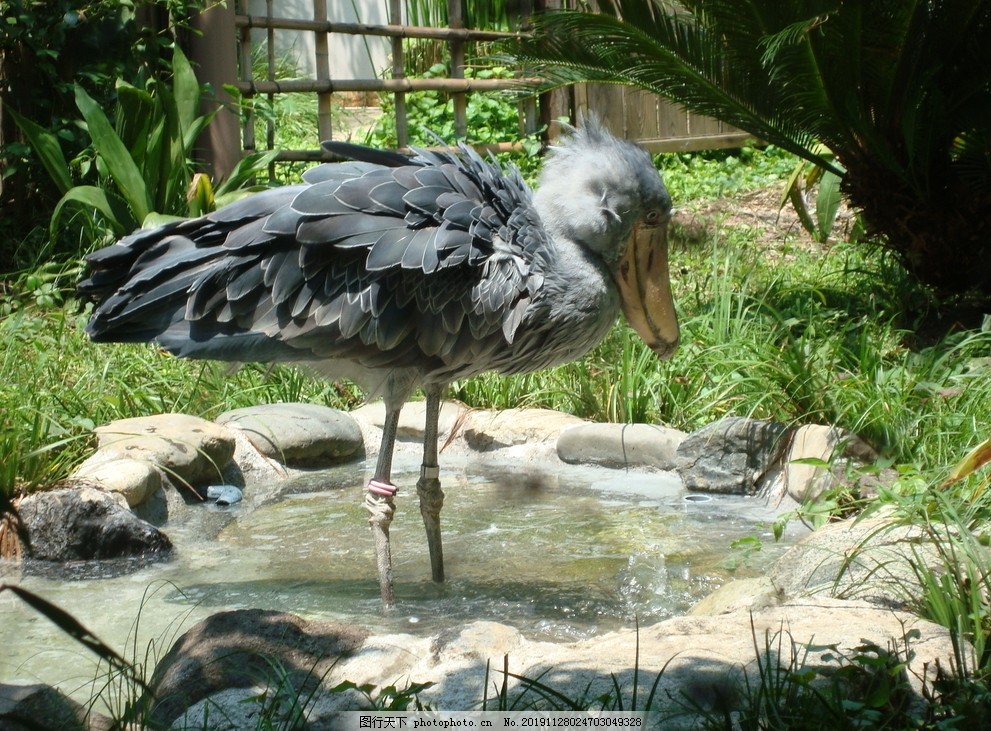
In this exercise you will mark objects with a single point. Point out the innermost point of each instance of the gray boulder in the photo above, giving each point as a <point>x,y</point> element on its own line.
<point>242,649</point>
<point>69,524</point>
<point>38,706</point>
<point>620,445</point>
<point>297,434</point>
<point>186,448</point>
<point>732,455</point>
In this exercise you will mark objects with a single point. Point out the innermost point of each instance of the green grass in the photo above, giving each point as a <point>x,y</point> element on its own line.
<point>55,386</point>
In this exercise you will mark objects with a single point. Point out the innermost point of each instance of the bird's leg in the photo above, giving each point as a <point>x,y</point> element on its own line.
<point>381,505</point>
<point>428,486</point>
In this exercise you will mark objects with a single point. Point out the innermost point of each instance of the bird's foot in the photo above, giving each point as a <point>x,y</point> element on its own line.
<point>431,502</point>
<point>381,506</point>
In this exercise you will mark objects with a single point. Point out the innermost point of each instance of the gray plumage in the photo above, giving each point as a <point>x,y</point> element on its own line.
<point>393,271</point>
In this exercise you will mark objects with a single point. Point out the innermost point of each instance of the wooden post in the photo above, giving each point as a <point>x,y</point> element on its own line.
<point>558,102</point>
<point>246,77</point>
<point>398,72</point>
<point>270,76</point>
<point>325,125</point>
<point>214,53</point>
<point>456,19</point>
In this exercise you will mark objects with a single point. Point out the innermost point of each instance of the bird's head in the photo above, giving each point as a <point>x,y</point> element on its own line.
<point>605,194</point>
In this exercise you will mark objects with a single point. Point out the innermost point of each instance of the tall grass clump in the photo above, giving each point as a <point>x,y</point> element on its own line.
<point>55,386</point>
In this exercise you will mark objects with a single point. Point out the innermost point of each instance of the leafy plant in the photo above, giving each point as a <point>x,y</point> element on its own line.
<point>910,146</point>
<point>144,154</point>
<point>826,183</point>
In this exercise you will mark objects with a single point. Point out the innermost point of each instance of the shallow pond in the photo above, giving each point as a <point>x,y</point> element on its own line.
<point>561,556</point>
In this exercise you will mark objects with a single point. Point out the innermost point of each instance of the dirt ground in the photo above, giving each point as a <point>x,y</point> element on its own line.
<point>759,211</point>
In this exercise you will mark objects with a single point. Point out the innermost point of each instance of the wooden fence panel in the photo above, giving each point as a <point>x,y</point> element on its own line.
<point>654,122</point>
<point>632,113</point>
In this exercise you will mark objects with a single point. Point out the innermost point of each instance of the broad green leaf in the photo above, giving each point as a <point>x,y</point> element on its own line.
<point>157,166</point>
<point>120,219</point>
<point>136,111</point>
<point>192,133</point>
<point>126,175</point>
<point>156,219</point>
<point>827,203</point>
<point>185,89</point>
<point>49,151</point>
<point>247,167</point>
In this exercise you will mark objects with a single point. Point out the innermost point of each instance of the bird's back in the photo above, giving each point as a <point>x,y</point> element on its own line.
<point>441,266</point>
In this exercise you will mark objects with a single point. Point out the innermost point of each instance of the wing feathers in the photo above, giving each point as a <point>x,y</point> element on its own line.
<point>422,260</point>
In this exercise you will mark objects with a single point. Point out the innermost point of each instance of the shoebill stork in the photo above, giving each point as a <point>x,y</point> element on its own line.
<point>403,272</point>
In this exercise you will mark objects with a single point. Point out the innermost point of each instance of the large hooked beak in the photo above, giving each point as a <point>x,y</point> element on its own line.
<point>645,289</point>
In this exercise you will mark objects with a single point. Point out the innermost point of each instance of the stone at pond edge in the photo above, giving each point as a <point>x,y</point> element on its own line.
<point>135,479</point>
<point>44,707</point>
<point>236,649</point>
<point>697,659</point>
<point>870,559</point>
<point>490,430</point>
<point>70,524</point>
<point>833,451</point>
<point>731,456</point>
<point>752,594</point>
<point>297,434</point>
<point>620,445</point>
<point>412,417</point>
<point>187,448</point>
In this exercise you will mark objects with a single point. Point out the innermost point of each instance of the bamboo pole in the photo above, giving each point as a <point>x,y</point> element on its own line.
<point>400,85</point>
<point>456,21</point>
<point>325,127</point>
<point>398,74</point>
<point>393,29</point>
<point>248,140</point>
<point>324,156</point>
<point>270,76</point>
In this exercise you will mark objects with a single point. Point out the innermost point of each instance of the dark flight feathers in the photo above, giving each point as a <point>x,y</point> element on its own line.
<point>387,260</point>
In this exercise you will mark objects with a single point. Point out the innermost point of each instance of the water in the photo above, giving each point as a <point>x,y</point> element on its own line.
<point>561,556</point>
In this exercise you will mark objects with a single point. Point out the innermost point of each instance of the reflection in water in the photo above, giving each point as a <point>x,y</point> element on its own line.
<point>560,557</point>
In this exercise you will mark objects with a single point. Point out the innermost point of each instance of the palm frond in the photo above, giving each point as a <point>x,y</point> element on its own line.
<point>670,54</point>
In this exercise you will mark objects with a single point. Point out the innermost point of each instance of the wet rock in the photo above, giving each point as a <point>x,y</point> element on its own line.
<point>816,459</point>
<point>69,524</point>
<point>38,706</point>
<point>731,456</point>
<point>136,480</point>
<point>241,649</point>
<point>868,559</point>
<point>701,660</point>
<point>186,448</point>
<point>298,435</point>
<point>620,445</point>
<point>489,430</point>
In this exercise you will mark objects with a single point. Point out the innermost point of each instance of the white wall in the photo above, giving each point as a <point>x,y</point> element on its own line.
<point>351,57</point>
